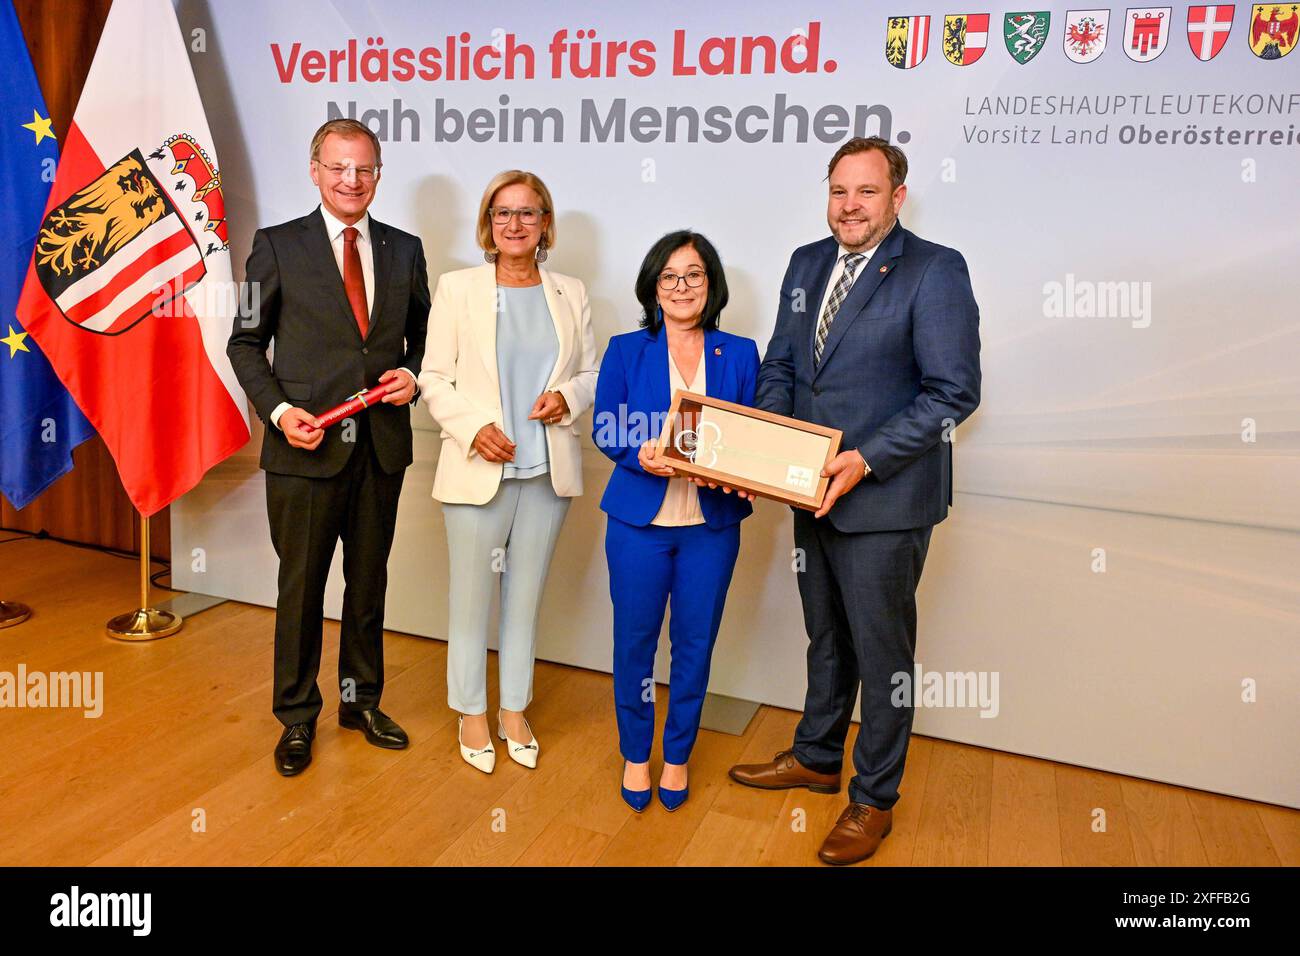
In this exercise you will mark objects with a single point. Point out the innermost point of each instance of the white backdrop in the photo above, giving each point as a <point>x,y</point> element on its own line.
<point>1125,537</point>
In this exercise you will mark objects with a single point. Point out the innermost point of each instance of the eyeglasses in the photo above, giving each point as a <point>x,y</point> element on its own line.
<point>694,279</point>
<point>528,216</point>
<point>367,174</point>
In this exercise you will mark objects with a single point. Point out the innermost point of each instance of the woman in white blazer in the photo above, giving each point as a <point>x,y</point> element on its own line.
<point>509,364</point>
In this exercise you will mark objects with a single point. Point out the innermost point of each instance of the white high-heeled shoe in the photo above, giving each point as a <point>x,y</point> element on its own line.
<point>484,759</point>
<point>523,754</point>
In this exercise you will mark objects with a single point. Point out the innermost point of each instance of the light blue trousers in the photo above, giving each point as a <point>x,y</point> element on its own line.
<point>509,540</point>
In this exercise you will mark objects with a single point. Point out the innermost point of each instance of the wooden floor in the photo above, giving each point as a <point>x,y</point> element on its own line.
<point>187,733</point>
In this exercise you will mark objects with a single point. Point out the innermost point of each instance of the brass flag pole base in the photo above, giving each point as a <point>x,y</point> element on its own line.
<point>12,613</point>
<point>145,623</point>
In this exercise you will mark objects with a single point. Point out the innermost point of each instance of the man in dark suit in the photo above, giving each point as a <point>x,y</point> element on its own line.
<point>346,300</point>
<point>877,335</point>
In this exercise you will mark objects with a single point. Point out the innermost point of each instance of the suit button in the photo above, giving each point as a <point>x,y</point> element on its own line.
<point>365,351</point>
<point>817,390</point>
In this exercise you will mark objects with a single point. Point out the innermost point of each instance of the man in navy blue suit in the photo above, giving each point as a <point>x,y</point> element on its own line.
<point>877,335</point>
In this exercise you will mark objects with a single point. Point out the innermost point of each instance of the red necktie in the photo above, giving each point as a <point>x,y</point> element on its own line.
<point>354,282</point>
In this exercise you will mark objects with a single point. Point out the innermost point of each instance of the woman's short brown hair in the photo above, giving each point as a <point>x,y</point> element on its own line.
<point>346,128</point>
<point>515,177</point>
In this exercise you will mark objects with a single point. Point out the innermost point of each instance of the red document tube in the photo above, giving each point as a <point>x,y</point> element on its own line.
<point>358,402</point>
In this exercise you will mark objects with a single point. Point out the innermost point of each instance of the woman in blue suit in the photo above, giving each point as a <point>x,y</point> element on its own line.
<point>667,538</point>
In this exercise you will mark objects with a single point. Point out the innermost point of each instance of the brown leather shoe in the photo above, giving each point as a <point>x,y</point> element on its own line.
<point>857,834</point>
<point>784,772</point>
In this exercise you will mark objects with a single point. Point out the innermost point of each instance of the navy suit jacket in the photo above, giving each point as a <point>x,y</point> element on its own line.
<point>632,400</point>
<point>899,370</point>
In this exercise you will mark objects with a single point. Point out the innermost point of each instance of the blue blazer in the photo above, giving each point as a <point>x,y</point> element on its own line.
<point>900,369</point>
<point>632,398</point>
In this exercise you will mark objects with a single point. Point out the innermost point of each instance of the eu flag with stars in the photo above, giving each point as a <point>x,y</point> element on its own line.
<point>39,422</point>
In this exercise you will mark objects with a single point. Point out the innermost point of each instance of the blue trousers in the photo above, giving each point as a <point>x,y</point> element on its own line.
<point>650,567</point>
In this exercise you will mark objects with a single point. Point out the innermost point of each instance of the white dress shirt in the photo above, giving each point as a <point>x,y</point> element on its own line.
<point>681,505</point>
<point>836,272</point>
<point>334,229</point>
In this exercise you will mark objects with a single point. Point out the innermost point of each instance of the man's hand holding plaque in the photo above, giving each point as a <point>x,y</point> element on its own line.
<point>845,471</point>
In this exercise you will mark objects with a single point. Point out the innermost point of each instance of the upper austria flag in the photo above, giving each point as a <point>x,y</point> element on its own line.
<point>129,291</point>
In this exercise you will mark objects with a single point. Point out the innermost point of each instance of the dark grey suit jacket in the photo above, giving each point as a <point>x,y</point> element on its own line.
<point>296,299</point>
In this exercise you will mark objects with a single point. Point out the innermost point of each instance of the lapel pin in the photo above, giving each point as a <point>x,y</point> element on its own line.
<point>884,269</point>
<point>717,351</point>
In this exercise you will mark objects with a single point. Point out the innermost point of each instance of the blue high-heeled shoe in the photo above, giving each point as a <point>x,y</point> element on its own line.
<point>638,800</point>
<point>672,799</point>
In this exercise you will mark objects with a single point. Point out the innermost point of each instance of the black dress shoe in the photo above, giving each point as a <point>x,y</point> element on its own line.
<point>293,752</point>
<point>380,729</point>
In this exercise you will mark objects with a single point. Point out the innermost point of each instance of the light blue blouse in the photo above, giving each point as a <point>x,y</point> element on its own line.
<point>527,348</point>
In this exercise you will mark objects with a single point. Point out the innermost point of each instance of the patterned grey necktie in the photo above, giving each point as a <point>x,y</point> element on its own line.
<point>841,292</point>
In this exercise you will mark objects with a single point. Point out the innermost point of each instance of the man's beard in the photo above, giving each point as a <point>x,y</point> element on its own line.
<point>874,235</point>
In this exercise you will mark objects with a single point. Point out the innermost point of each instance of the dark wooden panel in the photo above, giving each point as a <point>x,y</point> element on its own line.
<point>61,36</point>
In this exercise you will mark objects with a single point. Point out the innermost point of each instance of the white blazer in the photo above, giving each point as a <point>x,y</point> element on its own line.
<point>459,380</point>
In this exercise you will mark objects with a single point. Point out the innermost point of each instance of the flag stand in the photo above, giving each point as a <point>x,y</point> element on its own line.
<point>12,613</point>
<point>145,623</point>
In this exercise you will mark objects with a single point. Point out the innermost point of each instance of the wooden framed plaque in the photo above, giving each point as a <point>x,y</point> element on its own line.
<point>742,447</point>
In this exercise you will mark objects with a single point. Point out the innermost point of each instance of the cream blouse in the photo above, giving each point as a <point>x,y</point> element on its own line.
<point>682,499</point>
